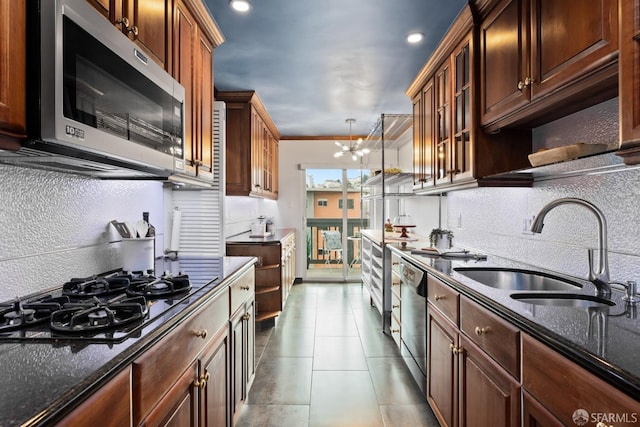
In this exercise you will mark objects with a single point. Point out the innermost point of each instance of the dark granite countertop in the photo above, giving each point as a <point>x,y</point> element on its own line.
<point>41,382</point>
<point>276,237</point>
<point>610,349</point>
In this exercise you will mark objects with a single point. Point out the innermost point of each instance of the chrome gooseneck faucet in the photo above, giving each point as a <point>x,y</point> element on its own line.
<point>600,276</point>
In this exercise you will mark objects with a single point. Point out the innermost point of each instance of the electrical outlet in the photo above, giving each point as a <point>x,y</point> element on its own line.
<point>526,224</point>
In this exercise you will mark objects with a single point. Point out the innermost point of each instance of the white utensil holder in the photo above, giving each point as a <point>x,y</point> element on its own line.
<point>137,254</point>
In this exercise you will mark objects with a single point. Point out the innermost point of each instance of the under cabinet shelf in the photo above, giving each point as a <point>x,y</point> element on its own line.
<point>390,179</point>
<point>267,267</point>
<point>266,289</point>
<point>266,315</point>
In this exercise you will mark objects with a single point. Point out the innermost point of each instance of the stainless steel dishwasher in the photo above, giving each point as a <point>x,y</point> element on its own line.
<point>413,314</point>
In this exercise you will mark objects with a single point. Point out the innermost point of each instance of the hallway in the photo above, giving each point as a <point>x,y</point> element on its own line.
<point>327,363</point>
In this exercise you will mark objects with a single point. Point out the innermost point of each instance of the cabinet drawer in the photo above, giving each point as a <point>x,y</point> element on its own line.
<point>242,289</point>
<point>562,386</point>
<point>161,366</point>
<point>395,330</point>
<point>445,299</point>
<point>496,337</point>
<point>395,305</point>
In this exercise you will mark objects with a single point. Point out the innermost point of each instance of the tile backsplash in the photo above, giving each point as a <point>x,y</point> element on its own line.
<point>56,226</point>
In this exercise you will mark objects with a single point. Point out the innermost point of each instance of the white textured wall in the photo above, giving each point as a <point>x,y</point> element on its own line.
<point>56,226</point>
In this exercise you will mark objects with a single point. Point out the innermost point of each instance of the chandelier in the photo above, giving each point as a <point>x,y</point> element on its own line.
<point>355,149</point>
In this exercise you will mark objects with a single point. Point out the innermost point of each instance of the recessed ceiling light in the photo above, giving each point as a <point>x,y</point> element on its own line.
<point>240,5</point>
<point>414,38</point>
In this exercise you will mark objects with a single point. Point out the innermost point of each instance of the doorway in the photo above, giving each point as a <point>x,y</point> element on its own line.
<point>334,218</point>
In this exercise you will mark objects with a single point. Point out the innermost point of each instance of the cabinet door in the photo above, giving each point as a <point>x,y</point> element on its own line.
<point>215,396</point>
<point>13,116</point>
<point>442,372</point>
<point>570,39</point>
<point>148,20</point>
<point>257,148</point>
<point>489,396</point>
<point>462,147</point>
<point>504,59</point>
<point>204,108</point>
<point>178,407</point>
<point>535,415</point>
<point>238,343</point>
<point>630,79</point>
<point>442,156</point>
<point>424,137</point>
<point>184,35</point>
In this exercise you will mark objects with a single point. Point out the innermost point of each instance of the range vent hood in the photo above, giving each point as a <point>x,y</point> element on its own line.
<point>54,158</point>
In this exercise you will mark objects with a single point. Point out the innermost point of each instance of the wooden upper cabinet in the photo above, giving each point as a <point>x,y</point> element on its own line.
<point>554,56</point>
<point>504,46</point>
<point>630,81</point>
<point>251,146</point>
<point>144,21</point>
<point>148,26</point>
<point>193,44</point>
<point>13,115</point>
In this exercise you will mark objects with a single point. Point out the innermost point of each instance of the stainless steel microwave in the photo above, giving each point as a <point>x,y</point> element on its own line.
<point>95,96</point>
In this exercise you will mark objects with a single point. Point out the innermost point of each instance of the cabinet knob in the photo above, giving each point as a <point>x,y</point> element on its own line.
<point>201,381</point>
<point>246,316</point>
<point>133,30</point>
<point>201,333</point>
<point>481,331</point>
<point>124,21</point>
<point>454,349</point>
<point>438,297</point>
<point>528,81</point>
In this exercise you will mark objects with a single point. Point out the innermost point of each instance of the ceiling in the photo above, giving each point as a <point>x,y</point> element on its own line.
<point>316,63</point>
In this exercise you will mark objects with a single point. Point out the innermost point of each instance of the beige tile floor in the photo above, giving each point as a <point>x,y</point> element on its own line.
<point>325,362</point>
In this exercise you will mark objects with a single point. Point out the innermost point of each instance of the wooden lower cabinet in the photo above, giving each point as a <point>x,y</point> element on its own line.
<point>536,415</point>
<point>562,387</point>
<point>442,371</point>
<point>466,386</point>
<point>489,396</point>
<point>110,406</point>
<point>200,373</point>
<point>275,270</point>
<point>243,361</point>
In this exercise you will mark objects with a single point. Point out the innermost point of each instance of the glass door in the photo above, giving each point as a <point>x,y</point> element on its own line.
<point>334,219</point>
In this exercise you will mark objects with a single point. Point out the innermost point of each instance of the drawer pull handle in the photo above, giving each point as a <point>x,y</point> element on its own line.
<point>201,333</point>
<point>245,288</point>
<point>439,297</point>
<point>481,331</point>
<point>396,283</point>
<point>395,331</point>
<point>395,306</point>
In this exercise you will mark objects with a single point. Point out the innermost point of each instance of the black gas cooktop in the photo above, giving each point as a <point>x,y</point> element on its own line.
<point>108,308</point>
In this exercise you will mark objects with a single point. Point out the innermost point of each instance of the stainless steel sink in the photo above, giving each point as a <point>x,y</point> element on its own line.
<point>517,280</point>
<point>563,300</point>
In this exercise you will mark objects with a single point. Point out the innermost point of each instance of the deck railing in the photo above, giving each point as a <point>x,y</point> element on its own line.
<point>316,253</point>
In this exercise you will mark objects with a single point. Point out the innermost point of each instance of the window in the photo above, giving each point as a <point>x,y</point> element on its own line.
<point>323,203</point>
<point>350,204</point>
